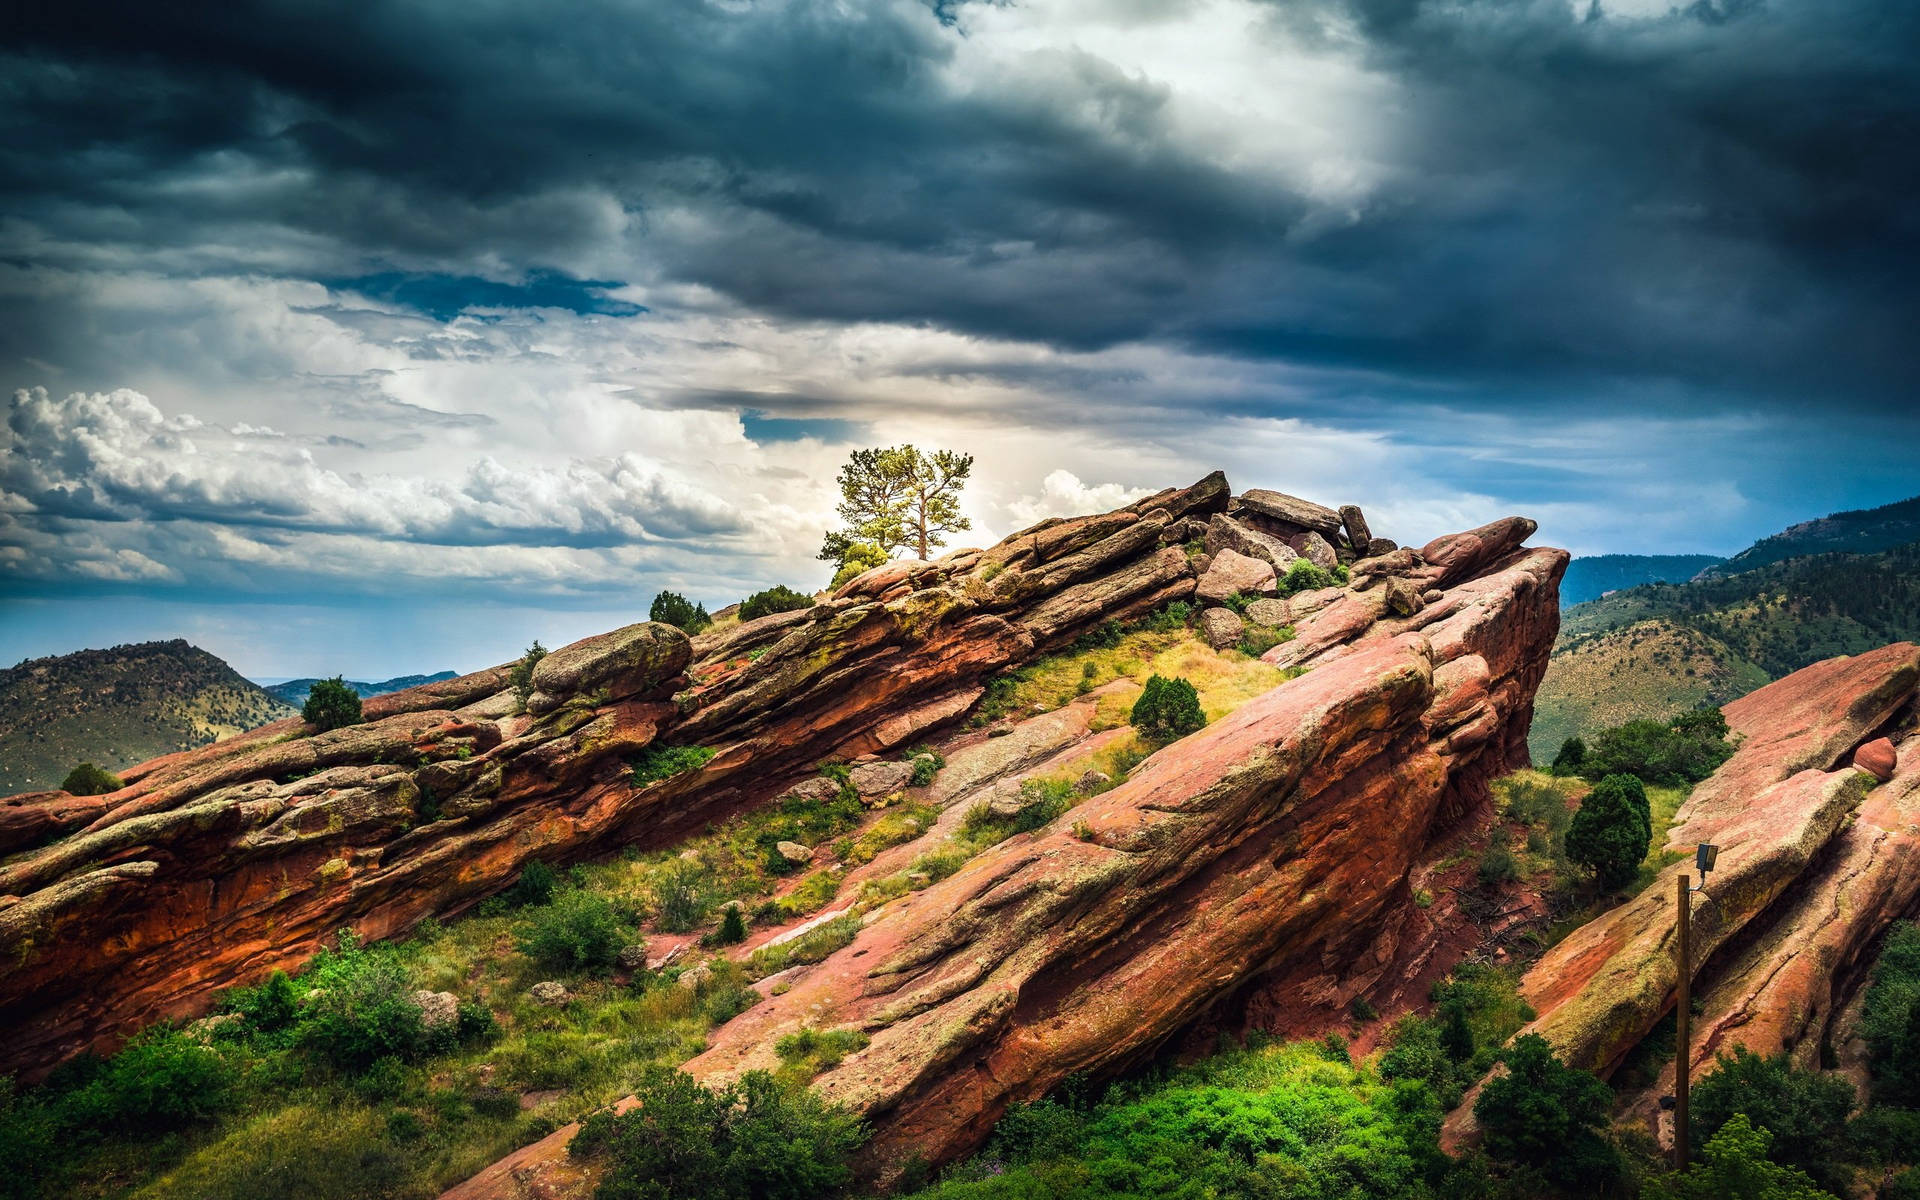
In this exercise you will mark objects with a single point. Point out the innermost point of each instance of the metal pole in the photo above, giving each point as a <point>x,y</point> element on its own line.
<point>1683,1052</point>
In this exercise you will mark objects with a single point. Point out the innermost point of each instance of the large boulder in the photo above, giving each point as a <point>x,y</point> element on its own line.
<point>1221,627</point>
<point>880,778</point>
<point>1354,522</point>
<point>1315,549</point>
<point>1225,533</point>
<point>1232,573</point>
<point>1280,513</point>
<point>627,662</point>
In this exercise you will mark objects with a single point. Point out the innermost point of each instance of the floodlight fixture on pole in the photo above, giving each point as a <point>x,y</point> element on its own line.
<point>1705,855</point>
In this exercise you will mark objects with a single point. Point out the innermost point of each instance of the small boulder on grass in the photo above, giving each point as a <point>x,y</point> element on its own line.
<point>632,958</point>
<point>1221,627</point>
<point>438,1010</point>
<point>549,993</point>
<point>794,852</point>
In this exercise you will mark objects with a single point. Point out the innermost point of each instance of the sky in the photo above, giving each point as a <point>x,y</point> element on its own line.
<point>385,338</point>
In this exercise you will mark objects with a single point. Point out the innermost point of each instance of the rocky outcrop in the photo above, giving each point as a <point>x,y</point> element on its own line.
<point>215,866</point>
<point>1816,858</point>
<point>1260,864</point>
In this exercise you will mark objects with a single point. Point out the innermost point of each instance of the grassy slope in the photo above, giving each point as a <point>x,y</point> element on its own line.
<point>1654,650</point>
<point>119,707</point>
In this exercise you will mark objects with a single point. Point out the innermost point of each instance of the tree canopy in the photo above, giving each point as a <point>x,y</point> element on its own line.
<point>897,498</point>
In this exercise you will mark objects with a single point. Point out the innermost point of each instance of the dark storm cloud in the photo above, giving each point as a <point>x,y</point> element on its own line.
<point>1720,197</point>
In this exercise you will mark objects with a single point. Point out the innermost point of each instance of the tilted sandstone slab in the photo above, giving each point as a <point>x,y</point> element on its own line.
<point>1253,854</point>
<point>218,865</point>
<point>1811,867</point>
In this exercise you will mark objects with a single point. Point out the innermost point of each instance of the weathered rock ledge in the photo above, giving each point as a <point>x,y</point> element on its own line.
<point>1817,857</point>
<point>1268,853</point>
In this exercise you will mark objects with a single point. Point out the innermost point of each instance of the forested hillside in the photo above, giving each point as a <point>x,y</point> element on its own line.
<point>119,706</point>
<point>1660,648</point>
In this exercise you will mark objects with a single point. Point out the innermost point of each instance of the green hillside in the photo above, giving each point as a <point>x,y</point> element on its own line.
<point>1858,531</point>
<point>119,707</point>
<point>1659,648</point>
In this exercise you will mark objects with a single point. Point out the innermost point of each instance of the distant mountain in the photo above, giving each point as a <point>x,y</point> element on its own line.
<point>1861,531</point>
<point>294,691</point>
<point>1660,648</point>
<point>1592,577</point>
<point>118,707</point>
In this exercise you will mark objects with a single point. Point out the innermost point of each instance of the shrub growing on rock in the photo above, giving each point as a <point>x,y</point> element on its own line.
<point>751,1140</point>
<point>777,599</point>
<point>521,677</point>
<point>1303,576</point>
<point>89,780</point>
<point>1612,830</point>
<point>664,762</point>
<point>577,932</point>
<point>1804,1112</point>
<point>671,608</point>
<point>1167,709</point>
<point>1545,1115</point>
<point>331,705</point>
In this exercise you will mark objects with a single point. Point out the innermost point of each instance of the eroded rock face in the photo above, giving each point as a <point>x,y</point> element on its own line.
<point>218,865</point>
<point>1816,858</point>
<point>1237,862</point>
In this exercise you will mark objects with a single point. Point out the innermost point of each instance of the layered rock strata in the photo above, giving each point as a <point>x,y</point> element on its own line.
<point>218,865</point>
<point>1268,853</point>
<point>1816,858</point>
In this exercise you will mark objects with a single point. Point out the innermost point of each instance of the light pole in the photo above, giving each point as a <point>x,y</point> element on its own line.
<point>1703,858</point>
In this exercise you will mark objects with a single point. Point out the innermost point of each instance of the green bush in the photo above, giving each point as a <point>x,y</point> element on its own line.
<point>89,780</point>
<point>534,886</point>
<point>1174,616</point>
<point>1256,639</point>
<point>1684,750</point>
<point>268,1007</point>
<point>331,705</point>
<point>1544,1115</point>
<point>750,1140</point>
<point>1890,1018</point>
<point>926,766</point>
<point>578,931</point>
<point>1303,576</point>
<point>671,608</point>
<point>1804,1112</point>
<point>680,896</point>
<point>777,599</point>
<point>733,927</point>
<point>1612,830</point>
<point>1167,708</point>
<point>1104,636</point>
<point>1734,1165</point>
<point>362,1007</point>
<point>1498,866</point>
<point>664,762</point>
<point>521,677</point>
<point>1571,757</point>
<point>163,1079</point>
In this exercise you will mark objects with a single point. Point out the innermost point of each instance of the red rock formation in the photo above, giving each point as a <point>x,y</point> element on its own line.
<point>1260,856</point>
<point>1814,862</point>
<point>217,865</point>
